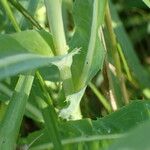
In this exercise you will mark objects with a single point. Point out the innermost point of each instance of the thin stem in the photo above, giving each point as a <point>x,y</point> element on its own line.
<point>124,62</point>
<point>10,15</point>
<point>126,67</point>
<point>107,75</point>
<point>43,86</point>
<point>25,13</point>
<point>100,97</point>
<point>115,54</point>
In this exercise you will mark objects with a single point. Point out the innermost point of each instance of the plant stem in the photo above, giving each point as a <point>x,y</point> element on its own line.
<point>10,15</point>
<point>43,86</point>
<point>101,98</point>
<point>25,13</point>
<point>115,55</point>
<point>54,13</point>
<point>107,75</point>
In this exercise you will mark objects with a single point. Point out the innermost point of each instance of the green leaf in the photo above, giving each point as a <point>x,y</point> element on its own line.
<point>12,65</point>
<point>50,119</point>
<point>136,139</point>
<point>90,59</point>
<point>70,112</point>
<point>134,64</point>
<point>27,41</point>
<point>10,124</point>
<point>33,112</point>
<point>111,127</point>
<point>88,17</point>
<point>147,2</point>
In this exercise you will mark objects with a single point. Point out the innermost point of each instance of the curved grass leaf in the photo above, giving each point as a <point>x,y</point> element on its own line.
<point>27,41</point>
<point>14,64</point>
<point>88,17</point>
<point>110,127</point>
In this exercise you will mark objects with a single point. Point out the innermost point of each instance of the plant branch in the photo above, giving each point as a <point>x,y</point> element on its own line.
<point>115,54</point>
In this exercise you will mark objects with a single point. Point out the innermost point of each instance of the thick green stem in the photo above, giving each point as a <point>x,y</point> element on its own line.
<point>115,54</point>
<point>54,12</point>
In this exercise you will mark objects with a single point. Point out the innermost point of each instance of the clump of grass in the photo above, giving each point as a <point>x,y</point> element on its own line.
<point>47,71</point>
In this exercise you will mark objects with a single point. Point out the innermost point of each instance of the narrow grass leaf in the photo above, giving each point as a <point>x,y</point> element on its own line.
<point>88,18</point>
<point>50,119</point>
<point>10,125</point>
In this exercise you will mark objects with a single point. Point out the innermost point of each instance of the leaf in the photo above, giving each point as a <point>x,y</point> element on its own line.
<point>10,124</point>
<point>91,57</point>
<point>18,63</point>
<point>31,7</point>
<point>74,101</point>
<point>51,123</point>
<point>27,41</point>
<point>88,17</point>
<point>111,127</point>
<point>147,2</point>
<point>134,64</point>
<point>33,112</point>
<point>136,139</point>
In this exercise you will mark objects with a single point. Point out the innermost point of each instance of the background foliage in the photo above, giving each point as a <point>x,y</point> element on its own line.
<point>77,82</point>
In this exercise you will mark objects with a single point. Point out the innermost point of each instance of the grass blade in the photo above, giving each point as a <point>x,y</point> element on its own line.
<point>52,127</point>
<point>11,122</point>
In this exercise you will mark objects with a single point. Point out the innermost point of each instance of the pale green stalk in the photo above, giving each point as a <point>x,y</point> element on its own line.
<point>115,55</point>
<point>54,12</point>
